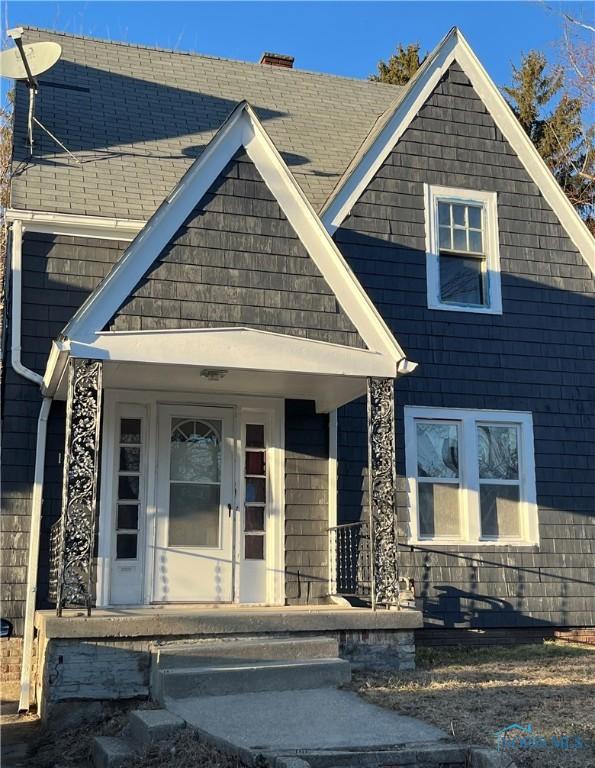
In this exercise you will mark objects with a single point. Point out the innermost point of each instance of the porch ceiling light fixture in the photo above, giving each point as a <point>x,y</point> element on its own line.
<point>214,374</point>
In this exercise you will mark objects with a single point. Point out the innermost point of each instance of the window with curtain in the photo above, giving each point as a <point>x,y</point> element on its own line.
<point>472,475</point>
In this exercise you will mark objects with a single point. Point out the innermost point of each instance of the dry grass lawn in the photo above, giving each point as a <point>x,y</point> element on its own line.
<point>472,693</point>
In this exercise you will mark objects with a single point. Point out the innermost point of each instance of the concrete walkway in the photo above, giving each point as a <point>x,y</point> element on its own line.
<point>306,720</point>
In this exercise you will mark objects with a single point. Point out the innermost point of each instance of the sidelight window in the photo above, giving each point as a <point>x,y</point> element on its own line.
<point>255,478</point>
<point>130,463</point>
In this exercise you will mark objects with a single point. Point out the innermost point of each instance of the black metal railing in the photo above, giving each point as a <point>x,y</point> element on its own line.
<point>54,561</point>
<point>351,560</point>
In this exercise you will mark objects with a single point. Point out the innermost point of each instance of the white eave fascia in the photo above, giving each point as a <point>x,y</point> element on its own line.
<point>113,290</point>
<point>455,47</point>
<point>229,348</point>
<point>76,225</point>
<point>534,164</point>
<point>241,129</point>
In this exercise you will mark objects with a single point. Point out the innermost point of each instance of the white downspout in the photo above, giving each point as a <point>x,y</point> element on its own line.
<point>30,599</point>
<point>37,497</point>
<point>17,282</point>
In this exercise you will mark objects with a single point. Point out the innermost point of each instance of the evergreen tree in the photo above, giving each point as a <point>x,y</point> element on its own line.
<point>557,132</point>
<point>401,66</point>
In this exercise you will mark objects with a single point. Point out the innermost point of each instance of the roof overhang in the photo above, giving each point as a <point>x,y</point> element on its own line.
<point>283,366</point>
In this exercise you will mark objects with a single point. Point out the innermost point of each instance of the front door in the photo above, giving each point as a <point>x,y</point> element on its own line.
<point>195,502</point>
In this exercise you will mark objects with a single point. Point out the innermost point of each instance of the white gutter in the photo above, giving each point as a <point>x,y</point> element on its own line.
<point>17,282</point>
<point>36,503</point>
<point>75,225</point>
<point>37,497</point>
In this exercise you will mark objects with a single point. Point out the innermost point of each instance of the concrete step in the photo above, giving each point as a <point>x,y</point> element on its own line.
<point>112,752</point>
<point>148,726</point>
<point>224,679</point>
<point>442,755</point>
<point>243,649</point>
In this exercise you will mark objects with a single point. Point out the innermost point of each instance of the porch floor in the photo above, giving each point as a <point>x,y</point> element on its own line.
<point>177,620</point>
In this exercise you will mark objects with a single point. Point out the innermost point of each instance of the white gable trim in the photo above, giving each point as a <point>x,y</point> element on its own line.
<point>241,129</point>
<point>358,176</point>
<point>454,47</point>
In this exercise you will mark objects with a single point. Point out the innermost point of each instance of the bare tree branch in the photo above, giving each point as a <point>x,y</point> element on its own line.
<point>578,23</point>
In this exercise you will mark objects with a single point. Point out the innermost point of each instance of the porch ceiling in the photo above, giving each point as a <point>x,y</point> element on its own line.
<point>328,391</point>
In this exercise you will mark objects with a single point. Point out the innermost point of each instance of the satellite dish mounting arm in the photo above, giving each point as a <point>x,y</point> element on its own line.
<point>17,34</point>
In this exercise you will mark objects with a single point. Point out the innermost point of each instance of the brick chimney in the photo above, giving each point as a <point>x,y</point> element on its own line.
<point>277,60</point>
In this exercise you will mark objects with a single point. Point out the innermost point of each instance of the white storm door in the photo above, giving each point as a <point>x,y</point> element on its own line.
<point>195,503</point>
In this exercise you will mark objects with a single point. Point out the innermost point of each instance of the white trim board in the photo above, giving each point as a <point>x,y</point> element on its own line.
<point>452,48</point>
<point>236,348</point>
<point>294,367</point>
<point>242,129</point>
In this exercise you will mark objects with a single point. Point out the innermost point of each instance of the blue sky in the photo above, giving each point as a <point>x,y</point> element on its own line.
<point>344,38</point>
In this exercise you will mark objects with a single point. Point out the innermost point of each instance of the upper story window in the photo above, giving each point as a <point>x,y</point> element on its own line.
<point>463,263</point>
<point>471,476</point>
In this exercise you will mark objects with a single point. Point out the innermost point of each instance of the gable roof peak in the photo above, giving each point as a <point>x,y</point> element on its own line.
<point>242,128</point>
<point>389,130</point>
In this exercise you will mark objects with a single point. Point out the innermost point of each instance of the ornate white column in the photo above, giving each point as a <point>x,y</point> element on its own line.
<point>79,488</point>
<point>382,491</point>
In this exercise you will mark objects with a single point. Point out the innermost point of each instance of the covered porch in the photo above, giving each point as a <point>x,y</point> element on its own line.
<point>156,452</point>
<point>116,605</point>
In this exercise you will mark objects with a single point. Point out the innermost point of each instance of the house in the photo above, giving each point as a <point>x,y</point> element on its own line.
<point>253,313</point>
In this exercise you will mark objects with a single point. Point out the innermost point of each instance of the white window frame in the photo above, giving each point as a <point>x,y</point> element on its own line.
<point>469,475</point>
<point>489,201</point>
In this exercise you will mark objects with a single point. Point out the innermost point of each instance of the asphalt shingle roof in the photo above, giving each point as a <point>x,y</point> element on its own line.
<point>137,117</point>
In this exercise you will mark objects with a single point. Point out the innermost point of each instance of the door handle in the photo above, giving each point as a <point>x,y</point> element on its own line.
<point>229,510</point>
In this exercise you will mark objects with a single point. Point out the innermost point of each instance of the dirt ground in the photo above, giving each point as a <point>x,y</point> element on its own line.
<point>472,694</point>
<point>25,744</point>
<point>72,750</point>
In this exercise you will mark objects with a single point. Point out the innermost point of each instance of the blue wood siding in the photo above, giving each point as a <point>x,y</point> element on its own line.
<point>539,356</point>
<point>237,261</point>
<point>58,274</point>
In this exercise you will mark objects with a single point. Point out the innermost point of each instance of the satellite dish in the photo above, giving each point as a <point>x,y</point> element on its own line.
<point>40,57</point>
<point>25,63</point>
